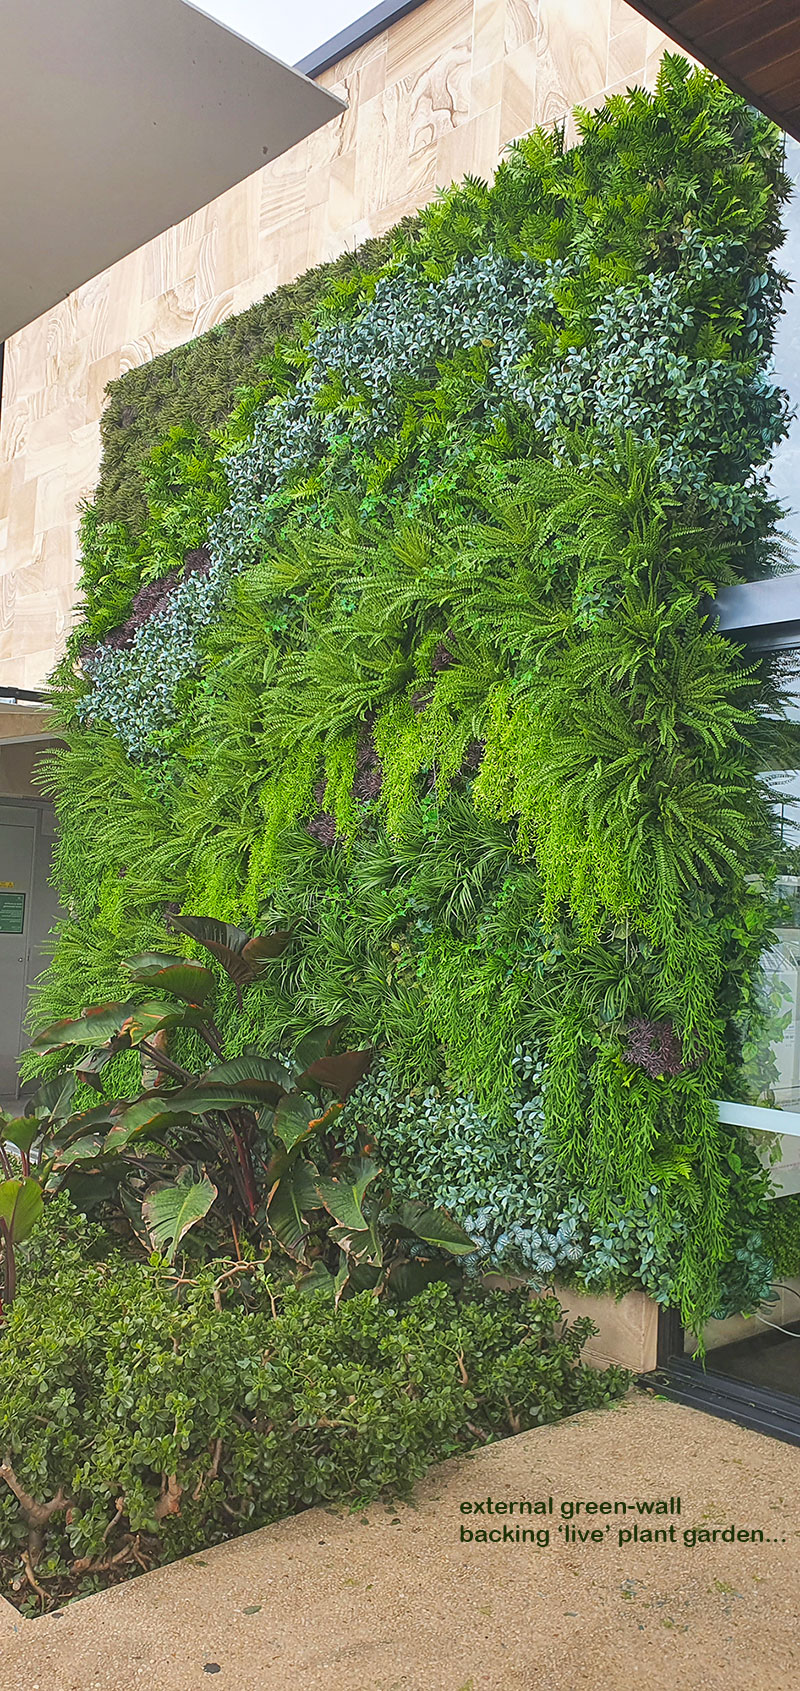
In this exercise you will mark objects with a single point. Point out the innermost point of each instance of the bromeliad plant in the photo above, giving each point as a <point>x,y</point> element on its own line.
<point>238,1133</point>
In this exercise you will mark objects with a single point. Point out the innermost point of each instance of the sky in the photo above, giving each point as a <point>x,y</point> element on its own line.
<point>288,29</point>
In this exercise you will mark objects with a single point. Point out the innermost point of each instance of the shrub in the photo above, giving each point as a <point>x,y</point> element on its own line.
<point>782,1236</point>
<point>158,1419</point>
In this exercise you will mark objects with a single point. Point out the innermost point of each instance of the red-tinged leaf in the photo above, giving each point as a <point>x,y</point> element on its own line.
<point>183,976</point>
<point>239,953</point>
<point>342,1073</point>
<point>96,1026</point>
<point>144,1020</point>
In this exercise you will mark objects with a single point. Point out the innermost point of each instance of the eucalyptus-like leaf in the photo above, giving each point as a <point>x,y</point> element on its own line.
<point>170,1210</point>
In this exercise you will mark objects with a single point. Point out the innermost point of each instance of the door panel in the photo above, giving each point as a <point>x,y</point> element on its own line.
<point>17,839</point>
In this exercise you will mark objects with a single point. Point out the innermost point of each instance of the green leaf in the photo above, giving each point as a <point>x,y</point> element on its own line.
<point>435,1228</point>
<point>316,1044</point>
<point>293,1194</point>
<point>183,976</point>
<point>20,1131</point>
<point>20,1208</point>
<point>157,1108</point>
<point>342,1196</point>
<point>318,1279</point>
<point>95,1027</point>
<point>342,1073</point>
<point>85,1150</point>
<point>54,1099</point>
<point>296,1118</point>
<point>237,1069</point>
<point>170,1210</point>
<point>145,1020</point>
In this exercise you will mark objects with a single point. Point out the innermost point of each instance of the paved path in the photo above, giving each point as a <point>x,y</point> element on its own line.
<point>392,1600</point>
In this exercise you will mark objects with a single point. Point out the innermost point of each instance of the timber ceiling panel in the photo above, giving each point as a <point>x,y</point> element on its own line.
<point>752,44</point>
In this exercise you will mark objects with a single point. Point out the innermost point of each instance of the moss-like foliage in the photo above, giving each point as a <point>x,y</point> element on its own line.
<point>428,674</point>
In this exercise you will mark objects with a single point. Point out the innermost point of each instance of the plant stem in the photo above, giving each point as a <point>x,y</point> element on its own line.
<point>159,1061</point>
<point>9,1266</point>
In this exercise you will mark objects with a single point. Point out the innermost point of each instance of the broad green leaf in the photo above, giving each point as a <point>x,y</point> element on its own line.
<point>158,1014</point>
<point>158,1108</point>
<point>183,976</point>
<point>315,1045</point>
<point>360,1243</point>
<point>54,1099</point>
<point>297,1118</point>
<point>83,1122</point>
<point>95,1027</point>
<point>89,1068</point>
<point>434,1227</point>
<point>169,1211</point>
<point>249,1068</point>
<point>342,1196</point>
<point>20,1208</point>
<point>20,1131</point>
<point>411,1275</point>
<point>318,1279</point>
<point>291,1197</point>
<point>85,1150</point>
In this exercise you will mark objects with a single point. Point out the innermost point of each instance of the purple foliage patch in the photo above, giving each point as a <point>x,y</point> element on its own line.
<point>154,594</point>
<point>654,1047</point>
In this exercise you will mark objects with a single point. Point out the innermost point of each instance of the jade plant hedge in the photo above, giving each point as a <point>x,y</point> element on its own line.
<point>394,633</point>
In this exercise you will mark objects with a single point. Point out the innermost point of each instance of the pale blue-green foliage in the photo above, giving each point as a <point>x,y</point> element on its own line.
<point>133,690</point>
<point>635,372</point>
<point>501,1182</point>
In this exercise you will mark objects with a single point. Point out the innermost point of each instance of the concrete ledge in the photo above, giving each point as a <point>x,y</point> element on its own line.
<point>628,1327</point>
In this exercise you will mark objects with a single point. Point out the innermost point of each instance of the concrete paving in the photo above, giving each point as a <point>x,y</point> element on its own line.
<point>392,1599</point>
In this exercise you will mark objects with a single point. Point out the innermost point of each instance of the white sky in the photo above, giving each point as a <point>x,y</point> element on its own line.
<point>288,29</point>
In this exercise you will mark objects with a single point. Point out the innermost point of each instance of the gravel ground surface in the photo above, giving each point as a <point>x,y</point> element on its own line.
<point>392,1599</point>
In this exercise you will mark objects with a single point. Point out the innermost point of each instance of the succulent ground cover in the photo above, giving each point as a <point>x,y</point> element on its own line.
<point>405,648</point>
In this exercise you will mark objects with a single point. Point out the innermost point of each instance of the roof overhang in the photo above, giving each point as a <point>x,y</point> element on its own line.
<point>119,118</point>
<point>753,45</point>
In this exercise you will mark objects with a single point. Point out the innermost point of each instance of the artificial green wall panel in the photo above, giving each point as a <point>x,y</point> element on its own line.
<point>406,649</point>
